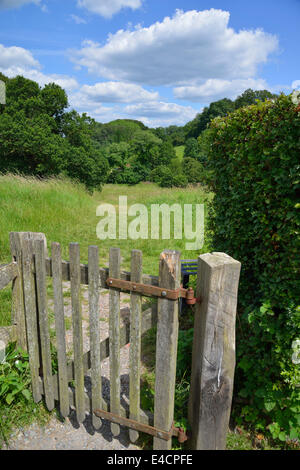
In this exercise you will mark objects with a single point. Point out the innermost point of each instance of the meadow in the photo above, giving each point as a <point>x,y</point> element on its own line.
<point>66,213</point>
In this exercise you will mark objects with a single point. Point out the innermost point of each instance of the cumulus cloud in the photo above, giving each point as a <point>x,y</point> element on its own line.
<point>161,111</point>
<point>191,46</point>
<point>151,112</point>
<point>215,89</point>
<point>116,92</point>
<point>296,84</point>
<point>108,8</point>
<point>12,56</point>
<point>19,61</point>
<point>7,4</point>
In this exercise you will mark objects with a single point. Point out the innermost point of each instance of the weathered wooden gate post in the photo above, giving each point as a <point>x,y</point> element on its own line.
<point>213,360</point>
<point>166,347</point>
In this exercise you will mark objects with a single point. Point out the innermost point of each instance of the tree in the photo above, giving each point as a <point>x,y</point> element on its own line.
<point>250,96</point>
<point>199,124</point>
<point>204,146</point>
<point>55,100</point>
<point>166,154</point>
<point>165,177</point>
<point>145,148</point>
<point>191,149</point>
<point>117,154</point>
<point>38,137</point>
<point>193,170</point>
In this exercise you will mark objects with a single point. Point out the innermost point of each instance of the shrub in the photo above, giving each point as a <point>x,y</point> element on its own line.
<point>165,177</point>
<point>254,162</point>
<point>193,170</point>
<point>131,175</point>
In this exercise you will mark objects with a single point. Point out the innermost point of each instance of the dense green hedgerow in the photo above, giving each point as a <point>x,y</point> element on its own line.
<point>254,162</point>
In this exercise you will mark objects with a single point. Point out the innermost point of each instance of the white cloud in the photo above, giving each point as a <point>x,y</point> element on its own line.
<point>160,111</point>
<point>19,61</point>
<point>7,4</point>
<point>16,56</point>
<point>151,112</point>
<point>68,83</point>
<point>108,8</point>
<point>189,47</point>
<point>78,19</point>
<point>296,85</point>
<point>116,92</point>
<point>215,89</point>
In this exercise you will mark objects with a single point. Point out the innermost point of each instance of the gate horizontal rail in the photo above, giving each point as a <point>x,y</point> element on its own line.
<point>213,355</point>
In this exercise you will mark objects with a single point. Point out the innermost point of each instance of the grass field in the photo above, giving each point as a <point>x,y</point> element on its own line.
<point>66,213</point>
<point>179,151</point>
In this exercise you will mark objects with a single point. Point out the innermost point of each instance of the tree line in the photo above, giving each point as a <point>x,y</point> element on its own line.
<point>40,136</point>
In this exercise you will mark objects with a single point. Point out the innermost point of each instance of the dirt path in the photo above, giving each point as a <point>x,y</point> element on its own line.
<point>71,435</point>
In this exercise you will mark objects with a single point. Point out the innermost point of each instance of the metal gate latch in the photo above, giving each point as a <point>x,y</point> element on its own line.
<point>133,424</point>
<point>154,291</point>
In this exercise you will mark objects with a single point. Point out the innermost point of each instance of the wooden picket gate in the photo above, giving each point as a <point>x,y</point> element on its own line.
<point>213,349</point>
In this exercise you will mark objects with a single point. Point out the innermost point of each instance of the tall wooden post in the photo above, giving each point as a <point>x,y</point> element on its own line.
<point>166,348</point>
<point>213,360</point>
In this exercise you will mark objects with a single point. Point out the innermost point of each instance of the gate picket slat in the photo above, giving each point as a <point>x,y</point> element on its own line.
<point>77,331</point>
<point>40,270</point>
<point>166,348</point>
<point>31,314</point>
<point>60,330</point>
<point>94,282</point>
<point>114,337</point>
<point>135,342</point>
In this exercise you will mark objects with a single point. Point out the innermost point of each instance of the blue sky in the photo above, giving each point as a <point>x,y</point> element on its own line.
<point>159,61</point>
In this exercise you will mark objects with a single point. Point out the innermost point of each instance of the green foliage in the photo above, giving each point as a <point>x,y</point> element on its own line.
<point>133,174</point>
<point>191,149</point>
<point>120,130</point>
<point>166,178</point>
<point>251,96</point>
<point>14,376</point>
<point>222,108</point>
<point>145,148</point>
<point>38,137</point>
<point>204,146</point>
<point>199,124</point>
<point>193,170</point>
<point>17,407</point>
<point>184,353</point>
<point>253,155</point>
<point>117,154</point>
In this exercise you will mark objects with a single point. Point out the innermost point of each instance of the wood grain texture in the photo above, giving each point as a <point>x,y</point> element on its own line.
<point>213,361</point>
<point>18,311</point>
<point>166,347</point>
<point>60,330</point>
<point>31,313</point>
<point>42,307</point>
<point>77,330</point>
<point>93,254</point>
<point>135,342</point>
<point>8,272</point>
<point>18,314</point>
<point>114,337</point>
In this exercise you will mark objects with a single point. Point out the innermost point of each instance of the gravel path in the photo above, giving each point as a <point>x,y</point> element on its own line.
<point>71,435</point>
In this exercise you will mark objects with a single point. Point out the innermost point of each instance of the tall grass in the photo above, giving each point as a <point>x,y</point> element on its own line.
<point>66,212</point>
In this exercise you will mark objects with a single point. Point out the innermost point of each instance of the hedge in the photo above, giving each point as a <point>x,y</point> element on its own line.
<point>254,166</point>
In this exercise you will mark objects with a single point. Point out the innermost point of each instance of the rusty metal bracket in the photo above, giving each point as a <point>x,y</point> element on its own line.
<point>153,431</point>
<point>153,291</point>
